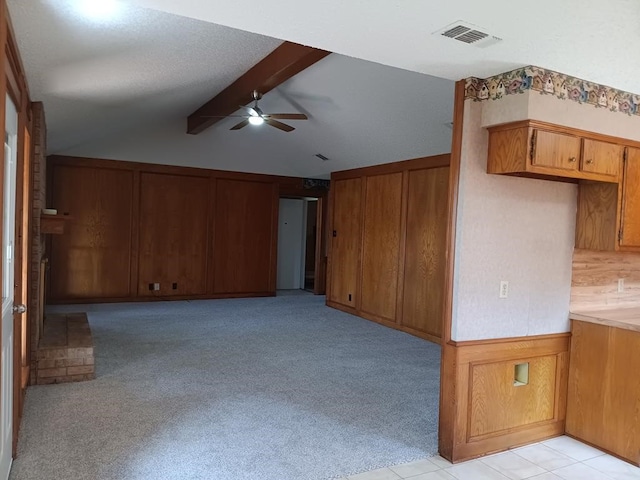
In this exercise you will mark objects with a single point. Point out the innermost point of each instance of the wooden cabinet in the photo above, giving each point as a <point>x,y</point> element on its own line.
<point>604,388</point>
<point>541,150</point>
<point>387,253</point>
<point>630,210</point>
<point>609,213</point>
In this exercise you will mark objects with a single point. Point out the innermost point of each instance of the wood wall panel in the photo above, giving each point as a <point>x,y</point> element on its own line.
<point>244,239</point>
<point>173,234</point>
<point>381,245</point>
<point>497,405</point>
<point>424,261</point>
<point>490,413</point>
<point>345,245</point>
<point>92,259</point>
<point>390,222</point>
<point>212,233</point>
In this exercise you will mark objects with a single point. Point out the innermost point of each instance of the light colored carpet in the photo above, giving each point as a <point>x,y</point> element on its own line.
<point>279,388</point>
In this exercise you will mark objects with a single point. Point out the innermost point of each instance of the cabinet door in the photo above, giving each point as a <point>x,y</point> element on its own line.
<point>381,245</point>
<point>556,150</point>
<point>630,219</point>
<point>346,240</point>
<point>601,157</point>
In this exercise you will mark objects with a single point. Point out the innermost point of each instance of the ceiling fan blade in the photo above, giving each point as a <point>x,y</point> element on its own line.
<point>287,116</point>
<point>240,125</point>
<point>282,126</point>
<point>224,116</point>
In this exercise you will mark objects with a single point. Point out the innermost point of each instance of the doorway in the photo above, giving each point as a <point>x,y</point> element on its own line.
<point>298,233</point>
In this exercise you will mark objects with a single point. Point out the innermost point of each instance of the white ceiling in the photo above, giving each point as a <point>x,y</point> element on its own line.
<point>122,89</point>
<point>589,39</point>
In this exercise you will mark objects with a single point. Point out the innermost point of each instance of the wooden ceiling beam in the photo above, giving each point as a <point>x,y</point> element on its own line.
<point>279,66</point>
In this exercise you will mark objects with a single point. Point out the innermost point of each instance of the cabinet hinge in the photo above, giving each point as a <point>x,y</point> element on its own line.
<point>532,150</point>
<point>620,235</point>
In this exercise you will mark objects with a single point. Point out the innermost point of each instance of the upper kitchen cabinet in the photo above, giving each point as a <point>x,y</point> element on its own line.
<point>542,150</point>
<point>630,212</point>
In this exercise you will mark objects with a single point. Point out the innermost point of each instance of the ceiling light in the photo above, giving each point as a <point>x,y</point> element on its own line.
<point>98,9</point>
<point>255,120</point>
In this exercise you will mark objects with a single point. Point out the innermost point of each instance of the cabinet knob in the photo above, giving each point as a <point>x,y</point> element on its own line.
<point>590,161</point>
<point>572,159</point>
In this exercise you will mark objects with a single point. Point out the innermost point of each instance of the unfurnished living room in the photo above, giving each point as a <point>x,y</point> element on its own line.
<point>319,240</point>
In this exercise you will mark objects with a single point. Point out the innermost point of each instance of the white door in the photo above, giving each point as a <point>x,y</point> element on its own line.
<point>8,241</point>
<point>290,243</point>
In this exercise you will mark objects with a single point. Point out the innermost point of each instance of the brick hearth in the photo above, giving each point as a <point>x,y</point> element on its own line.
<point>65,353</point>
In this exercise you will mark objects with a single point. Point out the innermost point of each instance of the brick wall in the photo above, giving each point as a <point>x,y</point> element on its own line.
<point>38,178</point>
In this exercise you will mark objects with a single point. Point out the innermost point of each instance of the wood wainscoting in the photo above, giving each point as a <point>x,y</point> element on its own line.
<point>387,249</point>
<point>487,410</point>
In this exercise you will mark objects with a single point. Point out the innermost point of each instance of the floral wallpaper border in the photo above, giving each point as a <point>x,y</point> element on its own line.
<point>547,82</point>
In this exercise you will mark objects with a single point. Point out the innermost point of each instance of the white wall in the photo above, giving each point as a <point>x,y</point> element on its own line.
<point>291,230</point>
<point>515,229</point>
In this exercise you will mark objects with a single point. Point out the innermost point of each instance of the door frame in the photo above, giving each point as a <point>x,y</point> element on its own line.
<point>320,280</point>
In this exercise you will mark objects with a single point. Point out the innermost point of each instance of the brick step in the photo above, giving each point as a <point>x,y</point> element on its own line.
<point>65,353</point>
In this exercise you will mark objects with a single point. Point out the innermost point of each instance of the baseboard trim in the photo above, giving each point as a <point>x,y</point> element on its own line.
<point>385,322</point>
<point>74,301</point>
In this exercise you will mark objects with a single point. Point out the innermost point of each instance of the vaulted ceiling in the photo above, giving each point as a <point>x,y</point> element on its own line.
<point>122,88</point>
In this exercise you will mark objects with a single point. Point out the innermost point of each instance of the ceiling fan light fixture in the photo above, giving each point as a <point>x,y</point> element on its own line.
<point>256,120</point>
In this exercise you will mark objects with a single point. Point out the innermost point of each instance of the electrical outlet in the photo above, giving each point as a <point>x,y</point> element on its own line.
<point>156,286</point>
<point>621,285</point>
<point>504,289</point>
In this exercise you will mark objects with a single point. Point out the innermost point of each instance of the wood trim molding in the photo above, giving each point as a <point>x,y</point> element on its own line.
<point>432,161</point>
<point>284,62</point>
<point>448,379</point>
<point>284,182</point>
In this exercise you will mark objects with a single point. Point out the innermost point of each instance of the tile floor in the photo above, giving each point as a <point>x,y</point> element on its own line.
<point>560,458</point>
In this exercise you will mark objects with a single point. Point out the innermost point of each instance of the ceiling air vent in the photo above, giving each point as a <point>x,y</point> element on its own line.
<point>322,157</point>
<point>469,34</point>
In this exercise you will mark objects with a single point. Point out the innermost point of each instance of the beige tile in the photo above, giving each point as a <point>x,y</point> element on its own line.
<point>573,448</point>
<point>614,467</point>
<point>474,470</point>
<point>580,471</point>
<point>512,465</point>
<point>437,475</point>
<point>380,474</point>
<point>544,457</point>
<point>414,468</point>
<point>440,461</point>
<point>546,476</point>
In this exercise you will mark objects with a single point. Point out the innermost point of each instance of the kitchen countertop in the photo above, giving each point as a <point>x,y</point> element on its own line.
<point>627,318</point>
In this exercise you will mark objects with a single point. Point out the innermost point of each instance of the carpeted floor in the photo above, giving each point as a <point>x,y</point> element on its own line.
<point>280,388</point>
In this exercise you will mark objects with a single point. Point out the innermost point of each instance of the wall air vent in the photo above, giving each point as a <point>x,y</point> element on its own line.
<point>469,34</point>
<point>322,157</point>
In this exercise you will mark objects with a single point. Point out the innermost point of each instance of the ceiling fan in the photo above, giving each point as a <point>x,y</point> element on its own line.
<point>255,116</point>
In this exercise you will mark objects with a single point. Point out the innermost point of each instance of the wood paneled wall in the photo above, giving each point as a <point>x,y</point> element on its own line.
<point>387,251</point>
<point>594,282</point>
<point>198,233</point>
<point>492,412</point>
